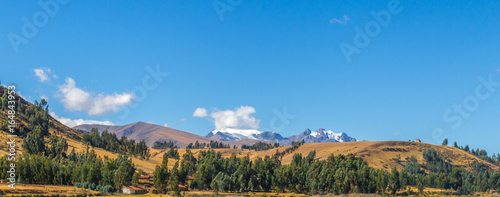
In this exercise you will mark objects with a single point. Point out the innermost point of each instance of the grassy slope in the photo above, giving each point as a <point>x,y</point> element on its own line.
<point>383,154</point>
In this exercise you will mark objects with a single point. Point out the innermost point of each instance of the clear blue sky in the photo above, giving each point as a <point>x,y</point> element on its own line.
<point>268,55</point>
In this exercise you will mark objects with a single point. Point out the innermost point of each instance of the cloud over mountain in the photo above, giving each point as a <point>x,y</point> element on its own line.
<point>76,99</point>
<point>239,118</point>
<point>74,122</point>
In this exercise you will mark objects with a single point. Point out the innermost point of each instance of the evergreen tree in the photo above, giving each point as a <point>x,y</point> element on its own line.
<point>445,141</point>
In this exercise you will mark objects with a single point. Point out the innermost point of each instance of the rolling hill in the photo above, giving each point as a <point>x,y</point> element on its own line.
<point>150,133</point>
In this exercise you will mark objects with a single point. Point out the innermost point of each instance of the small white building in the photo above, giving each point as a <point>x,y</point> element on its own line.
<point>134,190</point>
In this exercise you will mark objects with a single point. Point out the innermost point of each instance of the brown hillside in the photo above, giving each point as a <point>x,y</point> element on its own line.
<point>149,133</point>
<point>382,154</point>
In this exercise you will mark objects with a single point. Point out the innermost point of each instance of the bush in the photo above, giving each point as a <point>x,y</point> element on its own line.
<point>85,185</point>
<point>107,189</point>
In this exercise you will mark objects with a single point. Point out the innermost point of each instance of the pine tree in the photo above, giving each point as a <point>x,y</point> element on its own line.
<point>445,141</point>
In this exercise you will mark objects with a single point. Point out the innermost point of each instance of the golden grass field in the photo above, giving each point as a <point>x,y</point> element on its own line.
<point>42,189</point>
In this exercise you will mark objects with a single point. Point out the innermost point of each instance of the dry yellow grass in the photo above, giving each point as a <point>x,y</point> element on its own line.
<point>42,189</point>
<point>382,154</point>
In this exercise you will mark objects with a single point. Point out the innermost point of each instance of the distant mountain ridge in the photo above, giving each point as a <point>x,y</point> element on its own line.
<point>152,133</point>
<point>148,132</point>
<point>229,134</point>
<point>321,135</point>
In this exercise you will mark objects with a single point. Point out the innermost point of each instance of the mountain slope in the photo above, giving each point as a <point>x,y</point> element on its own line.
<point>149,133</point>
<point>382,154</point>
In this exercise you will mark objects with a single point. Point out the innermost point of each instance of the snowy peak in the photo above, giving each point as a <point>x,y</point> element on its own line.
<point>321,135</point>
<point>339,137</point>
<point>230,134</point>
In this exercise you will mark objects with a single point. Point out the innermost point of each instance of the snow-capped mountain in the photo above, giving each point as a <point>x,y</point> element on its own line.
<point>321,135</point>
<point>229,134</point>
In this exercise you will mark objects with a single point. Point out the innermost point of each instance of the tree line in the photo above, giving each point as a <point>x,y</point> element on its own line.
<point>338,174</point>
<point>164,144</point>
<point>260,146</point>
<point>108,141</point>
<point>212,144</point>
<point>481,153</point>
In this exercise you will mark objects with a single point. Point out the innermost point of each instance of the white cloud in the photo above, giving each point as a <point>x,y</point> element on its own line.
<point>71,123</point>
<point>200,112</point>
<point>340,21</point>
<point>240,118</point>
<point>42,74</point>
<point>165,125</point>
<point>76,99</point>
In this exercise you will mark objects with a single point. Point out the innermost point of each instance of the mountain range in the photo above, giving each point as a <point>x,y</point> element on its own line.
<point>320,135</point>
<point>152,133</point>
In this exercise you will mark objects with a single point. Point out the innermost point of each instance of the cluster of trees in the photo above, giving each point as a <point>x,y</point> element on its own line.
<point>48,163</point>
<point>337,174</point>
<point>172,153</point>
<point>212,144</point>
<point>92,186</point>
<point>108,141</point>
<point>260,146</point>
<point>34,134</point>
<point>441,174</point>
<point>164,144</point>
<point>482,154</point>
<point>72,169</point>
<point>295,146</point>
<point>35,115</point>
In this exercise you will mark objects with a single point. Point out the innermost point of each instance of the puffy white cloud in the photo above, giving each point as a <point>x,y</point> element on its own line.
<point>76,99</point>
<point>239,118</point>
<point>165,125</point>
<point>71,123</point>
<point>200,112</point>
<point>42,74</point>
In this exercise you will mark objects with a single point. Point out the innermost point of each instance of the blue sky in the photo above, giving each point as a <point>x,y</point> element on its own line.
<point>268,56</point>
